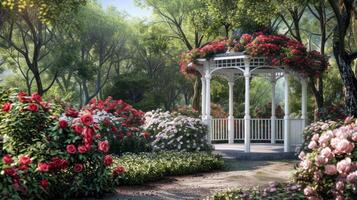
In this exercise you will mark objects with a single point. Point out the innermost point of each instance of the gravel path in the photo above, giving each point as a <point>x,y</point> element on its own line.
<point>200,186</point>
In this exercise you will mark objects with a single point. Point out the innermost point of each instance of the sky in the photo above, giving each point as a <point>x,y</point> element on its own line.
<point>127,6</point>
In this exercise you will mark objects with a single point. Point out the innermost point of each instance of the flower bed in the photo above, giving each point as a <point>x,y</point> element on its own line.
<point>328,169</point>
<point>145,167</point>
<point>176,132</point>
<point>278,50</point>
<point>273,191</point>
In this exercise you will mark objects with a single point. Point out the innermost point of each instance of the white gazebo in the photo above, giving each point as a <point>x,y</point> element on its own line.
<point>232,66</point>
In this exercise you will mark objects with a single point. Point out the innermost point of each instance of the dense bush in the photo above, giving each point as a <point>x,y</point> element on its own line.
<point>144,167</point>
<point>176,132</point>
<point>120,123</point>
<point>272,192</point>
<point>65,156</point>
<point>328,170</point>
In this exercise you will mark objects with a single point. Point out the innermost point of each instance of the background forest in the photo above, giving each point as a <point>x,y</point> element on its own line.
<point>100,52</point>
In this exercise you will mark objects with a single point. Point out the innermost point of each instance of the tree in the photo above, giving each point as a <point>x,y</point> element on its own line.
<point>26,35</point>
<point>344,10</point>
<point>186,25</point>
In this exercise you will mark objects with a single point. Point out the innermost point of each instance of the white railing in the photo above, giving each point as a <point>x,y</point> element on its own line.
<point>260,130</point>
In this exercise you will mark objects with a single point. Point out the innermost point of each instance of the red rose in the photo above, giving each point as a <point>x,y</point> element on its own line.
<point>25,160</point>
<point>71,149</point>
<point>43,167</point>
<point>119,170</point>
<point>44,183</point>
<point>23,167</point>
<point>114,129</point>
<point>10,171</point>
<point>82,149</point>
<point>97,136</point>
<point>6,107</point>
<point>36,97</point>
<point>88,134</point>
<point>103,146</point>
<point>78,168</point>
<point>106,122</point>
<point>64,164</point>
<point>87,119</point>
<point>7,159</point>
<point>63,124</point>
<point>22,97</point>
<point>71,112</point>
<point>77,129</point>
<point>33,107</point>
<point>108,160</point>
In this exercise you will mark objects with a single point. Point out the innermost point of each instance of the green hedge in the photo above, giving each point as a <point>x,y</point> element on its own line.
<point>145,167</point>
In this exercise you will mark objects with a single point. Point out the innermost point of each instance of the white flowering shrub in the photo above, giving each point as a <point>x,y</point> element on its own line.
<point>176,132</point>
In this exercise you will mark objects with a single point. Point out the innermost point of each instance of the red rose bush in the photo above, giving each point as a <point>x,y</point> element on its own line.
<point>51,155</point>
<point>328,167</point>
<point>278,50</point>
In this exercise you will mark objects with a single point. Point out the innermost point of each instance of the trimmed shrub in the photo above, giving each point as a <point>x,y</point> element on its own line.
<point>145,167</point>
<point>176,132</point>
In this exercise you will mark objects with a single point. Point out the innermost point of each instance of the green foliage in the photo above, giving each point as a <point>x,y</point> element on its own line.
<point>145,167</point>
<point>272,192</point>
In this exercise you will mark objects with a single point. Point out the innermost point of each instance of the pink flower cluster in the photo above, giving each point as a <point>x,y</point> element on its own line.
<point>332,159</point>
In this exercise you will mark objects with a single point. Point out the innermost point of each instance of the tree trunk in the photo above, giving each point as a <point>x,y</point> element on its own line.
<point>196,94</point>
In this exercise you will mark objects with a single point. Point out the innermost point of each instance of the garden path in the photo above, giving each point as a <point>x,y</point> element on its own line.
<point>199,186</point>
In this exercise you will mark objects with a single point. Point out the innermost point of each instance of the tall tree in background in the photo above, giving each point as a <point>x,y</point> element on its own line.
<point>344,11</point>
<point>27,31</point>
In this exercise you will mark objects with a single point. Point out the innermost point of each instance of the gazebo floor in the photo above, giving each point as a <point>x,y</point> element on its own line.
<point>258,151</point>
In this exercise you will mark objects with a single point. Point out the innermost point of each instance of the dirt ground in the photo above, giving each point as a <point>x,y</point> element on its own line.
<point>200,186</point>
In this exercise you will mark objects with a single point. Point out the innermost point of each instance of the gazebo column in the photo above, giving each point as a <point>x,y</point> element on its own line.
<point>203,98</point>
<point>287,113</point>
<point>208,106</point>
<point>247,106</point>
<point>303,102</point>
<point>273,108</point>
<point>230,116</point>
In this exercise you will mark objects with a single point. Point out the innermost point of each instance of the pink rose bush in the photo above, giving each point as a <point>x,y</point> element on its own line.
<point>278,50</point>
<point>328,167</point>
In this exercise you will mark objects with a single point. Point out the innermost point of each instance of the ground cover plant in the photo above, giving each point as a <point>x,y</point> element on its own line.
<point>272,191</point>
<point>145,167</point>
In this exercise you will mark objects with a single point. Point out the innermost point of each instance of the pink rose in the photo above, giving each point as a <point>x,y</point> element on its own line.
<point>312,145</point>
<point>306,164</point>
<point>330,169</point>
<point>82,149</point>
<point>308,191</point>
<point>342,146</point>
<point>340,185</point>
<point>325,138</point>
<point>326,153</point>
<point>352,177</point>
<point>344,166</point>
<point>78,168</point>
<point>87,119</point>
<point>71,149</point>
<point>108,160</point>
<point>320,160</point>
<point>315,137</point>
<point>103,146</point>
<point>302,155</point>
